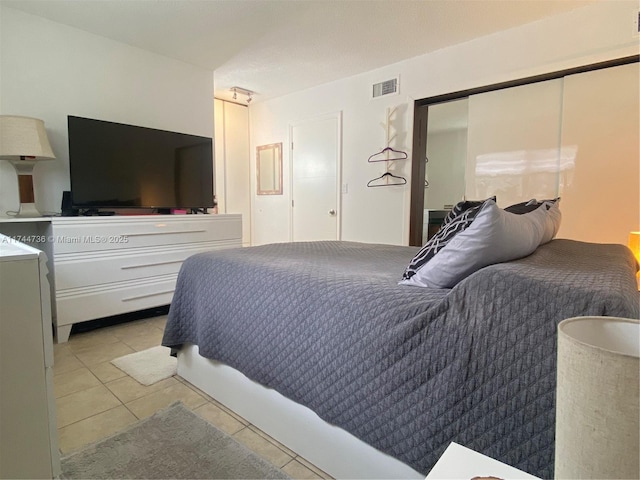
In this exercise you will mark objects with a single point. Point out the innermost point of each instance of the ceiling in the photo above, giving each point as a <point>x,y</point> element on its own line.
<point>275,47</point>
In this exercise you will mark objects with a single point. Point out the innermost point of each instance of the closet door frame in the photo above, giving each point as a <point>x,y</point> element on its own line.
<point>420,119</point>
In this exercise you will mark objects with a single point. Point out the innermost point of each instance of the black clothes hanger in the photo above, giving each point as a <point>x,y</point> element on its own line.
<point>397,180</point>
<point>400,155</point>
<point>426,182</point>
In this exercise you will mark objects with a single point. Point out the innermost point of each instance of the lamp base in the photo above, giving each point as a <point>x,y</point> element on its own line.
<point>24,171</point>
<point>28,210</point>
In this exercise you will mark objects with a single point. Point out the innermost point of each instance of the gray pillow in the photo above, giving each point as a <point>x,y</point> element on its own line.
<point>458,220</point>
<point>529,206</point>
<point>493,236</point>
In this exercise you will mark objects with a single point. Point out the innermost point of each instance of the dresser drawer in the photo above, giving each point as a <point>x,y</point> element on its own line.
<point>78,305</point>
<point>81,270</point>
<point>82,234</point>
<point>105,266</point>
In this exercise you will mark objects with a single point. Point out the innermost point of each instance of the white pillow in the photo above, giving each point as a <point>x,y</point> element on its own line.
<point>494,236</point>
<point>554,217</point>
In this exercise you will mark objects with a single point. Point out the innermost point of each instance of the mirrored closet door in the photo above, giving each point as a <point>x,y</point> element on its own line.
<point>445,162</point>
<point>575,136</point>
<point>514,143</point>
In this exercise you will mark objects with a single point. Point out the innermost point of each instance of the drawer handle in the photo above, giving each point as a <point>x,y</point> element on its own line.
<point>141,234</point>
<point>138,297</point>
<point>127,267</point>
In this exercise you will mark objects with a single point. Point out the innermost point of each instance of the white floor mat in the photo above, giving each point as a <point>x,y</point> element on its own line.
<point>148,366</point>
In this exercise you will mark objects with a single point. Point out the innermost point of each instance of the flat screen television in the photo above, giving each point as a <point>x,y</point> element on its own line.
<point>118,166</point>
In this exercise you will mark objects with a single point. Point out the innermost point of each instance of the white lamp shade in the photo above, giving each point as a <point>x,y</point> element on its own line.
<point>24,137</point>
<point>597,398</point>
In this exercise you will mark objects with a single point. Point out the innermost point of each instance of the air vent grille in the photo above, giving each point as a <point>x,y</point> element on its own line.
<point>387,87</point>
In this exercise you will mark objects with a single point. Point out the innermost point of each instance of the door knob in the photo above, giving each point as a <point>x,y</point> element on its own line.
<point>332,212</point>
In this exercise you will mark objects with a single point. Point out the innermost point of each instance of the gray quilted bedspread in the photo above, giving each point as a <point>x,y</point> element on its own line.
<point>406,369</point>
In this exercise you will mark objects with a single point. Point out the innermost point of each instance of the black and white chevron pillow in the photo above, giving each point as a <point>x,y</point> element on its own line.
<point>450,229</point>
<point>463,206</point>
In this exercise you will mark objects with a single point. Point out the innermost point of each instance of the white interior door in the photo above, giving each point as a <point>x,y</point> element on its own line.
<point>315,164</point>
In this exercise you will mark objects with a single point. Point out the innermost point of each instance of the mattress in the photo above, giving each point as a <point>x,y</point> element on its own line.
<point>406,369</point>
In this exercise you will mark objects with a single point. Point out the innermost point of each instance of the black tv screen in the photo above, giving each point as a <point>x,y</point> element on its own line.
<point>113,165</point>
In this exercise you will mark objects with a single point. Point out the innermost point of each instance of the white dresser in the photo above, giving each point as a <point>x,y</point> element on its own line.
<point>28,435</point>
<point>112,265</point>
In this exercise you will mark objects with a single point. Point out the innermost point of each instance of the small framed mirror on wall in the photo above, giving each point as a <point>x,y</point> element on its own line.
<point>269,169</point>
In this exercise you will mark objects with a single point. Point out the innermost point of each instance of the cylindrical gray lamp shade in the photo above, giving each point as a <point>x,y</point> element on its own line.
<point>597,398</point>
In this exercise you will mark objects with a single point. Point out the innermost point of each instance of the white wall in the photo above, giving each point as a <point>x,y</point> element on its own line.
<point>49,71</point>
<point>595,33</point>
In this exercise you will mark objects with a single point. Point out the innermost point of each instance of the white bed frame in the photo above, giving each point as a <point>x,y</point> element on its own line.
<point>330,448</point>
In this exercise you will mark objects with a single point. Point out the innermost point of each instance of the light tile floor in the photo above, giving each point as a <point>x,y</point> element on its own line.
<point>94,399</point>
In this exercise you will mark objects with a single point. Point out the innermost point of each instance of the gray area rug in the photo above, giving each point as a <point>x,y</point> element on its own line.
<point>173,443</point>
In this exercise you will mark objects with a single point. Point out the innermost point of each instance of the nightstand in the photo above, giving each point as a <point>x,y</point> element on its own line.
<point>28,430</point>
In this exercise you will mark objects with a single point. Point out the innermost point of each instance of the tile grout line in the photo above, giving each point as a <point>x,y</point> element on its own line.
<point>131,412</point>
<point>291,455</point>
<point>248,427</point>
<point>90,416</point>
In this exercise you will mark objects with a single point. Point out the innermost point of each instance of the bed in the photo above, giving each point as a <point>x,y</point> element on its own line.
<point>322,333</point>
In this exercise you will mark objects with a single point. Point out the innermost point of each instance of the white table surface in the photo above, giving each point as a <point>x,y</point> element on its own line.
<point>458,462</point>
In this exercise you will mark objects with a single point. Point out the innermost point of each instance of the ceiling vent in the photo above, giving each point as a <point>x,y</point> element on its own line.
<point>388,87</point>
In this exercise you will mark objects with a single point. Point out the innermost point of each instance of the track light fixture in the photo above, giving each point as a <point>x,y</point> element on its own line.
<point>248,93</point>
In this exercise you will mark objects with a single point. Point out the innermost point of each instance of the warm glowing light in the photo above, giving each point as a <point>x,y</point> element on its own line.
<point>634,244</point>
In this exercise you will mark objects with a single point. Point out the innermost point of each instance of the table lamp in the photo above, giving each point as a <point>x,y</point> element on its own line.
<point>23,142</point>
<point>597,398</point>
